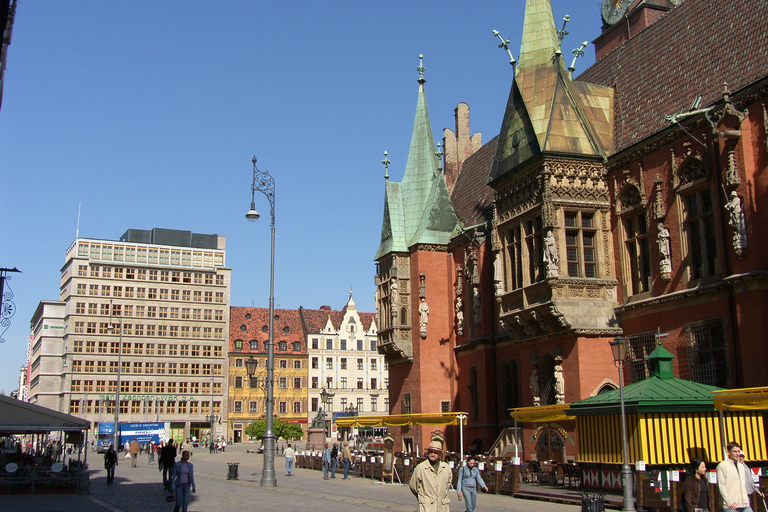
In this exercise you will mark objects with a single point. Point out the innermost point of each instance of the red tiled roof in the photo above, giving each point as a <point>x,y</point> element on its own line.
<point>472,197</point>
<point>287,325</point>
<point>690,51</point>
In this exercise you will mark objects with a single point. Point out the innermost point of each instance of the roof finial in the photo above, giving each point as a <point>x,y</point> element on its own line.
<point>386,163</point>
<point>439,154</point>
<point>562,32</point>
<point>577,52</point>
<point>420,69</point>
<point>505,44</point>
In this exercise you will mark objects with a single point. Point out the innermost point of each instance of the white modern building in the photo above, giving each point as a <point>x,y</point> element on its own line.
<point>154,304</point>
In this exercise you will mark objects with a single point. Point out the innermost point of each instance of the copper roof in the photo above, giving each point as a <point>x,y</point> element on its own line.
<point>690,51</point>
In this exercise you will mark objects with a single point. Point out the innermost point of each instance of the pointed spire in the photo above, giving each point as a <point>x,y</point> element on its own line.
<point>386,163</point>
<point>421,69</point>
<point>540,40</point>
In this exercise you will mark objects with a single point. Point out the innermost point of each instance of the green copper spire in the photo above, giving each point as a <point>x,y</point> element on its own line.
<point>418,210</point>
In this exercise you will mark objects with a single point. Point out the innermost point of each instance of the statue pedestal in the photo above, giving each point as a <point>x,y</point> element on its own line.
<point>316,439</point>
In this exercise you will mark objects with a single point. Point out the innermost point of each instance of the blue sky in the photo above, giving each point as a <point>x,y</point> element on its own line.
<point>148,114</point>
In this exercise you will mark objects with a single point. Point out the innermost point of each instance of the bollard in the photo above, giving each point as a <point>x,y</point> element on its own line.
<point>233,471</point>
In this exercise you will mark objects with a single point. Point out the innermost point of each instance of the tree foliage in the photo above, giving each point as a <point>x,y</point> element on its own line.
<point>281,428</point>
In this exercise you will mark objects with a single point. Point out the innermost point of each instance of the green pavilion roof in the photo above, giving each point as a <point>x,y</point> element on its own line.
<point>661,392</point>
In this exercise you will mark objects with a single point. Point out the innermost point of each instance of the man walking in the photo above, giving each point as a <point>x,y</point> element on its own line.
<point>326,461</point>
<point>731,481</point>
<point>431,479</point>
<point>167,460</point>
<point>134,449</point>
<point>289,453</point>
<point>346,455</point>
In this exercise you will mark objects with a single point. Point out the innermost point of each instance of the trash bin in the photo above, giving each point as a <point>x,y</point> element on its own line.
<point>233,471</point>
<point>592,502</point>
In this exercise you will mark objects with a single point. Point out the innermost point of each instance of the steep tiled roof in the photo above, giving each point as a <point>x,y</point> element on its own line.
<point>703,45</point>
<point>472,197</point>
<point>287,325</point>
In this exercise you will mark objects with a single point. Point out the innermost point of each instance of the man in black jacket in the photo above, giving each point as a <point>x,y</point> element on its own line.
<point>167,460</point>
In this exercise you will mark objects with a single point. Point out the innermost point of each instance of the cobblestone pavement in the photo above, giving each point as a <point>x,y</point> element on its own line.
<point>141,490</point>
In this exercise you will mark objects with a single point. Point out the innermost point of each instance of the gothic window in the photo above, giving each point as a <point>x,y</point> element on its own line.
<point>580,244</point>
<point>514,259</point>
<point>700,229</point>
<point>535,249</point>
<point>406,403</point>
<point>636,252</point>
<point>707,353</point>
<point>404,316</point>
<point>510,385</point>
<point>691,171</point>
<point>639,346</point>
<point>630,197</point>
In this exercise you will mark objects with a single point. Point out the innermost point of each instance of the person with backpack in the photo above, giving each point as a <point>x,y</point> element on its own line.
<point>334,460</point>
<point>167,461</point>
<point>110,461</point>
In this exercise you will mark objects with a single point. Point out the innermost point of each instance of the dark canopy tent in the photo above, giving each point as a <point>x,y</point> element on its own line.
<point>17,417</point>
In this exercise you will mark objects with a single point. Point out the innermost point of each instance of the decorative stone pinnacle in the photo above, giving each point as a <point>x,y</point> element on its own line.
<point>386,163</point>
<point>439,154</point>
<point>562,32</point>
<point>505,44</point>
<point>421,68</point>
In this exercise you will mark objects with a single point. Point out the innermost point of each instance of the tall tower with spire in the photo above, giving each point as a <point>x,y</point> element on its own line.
<point>412,262</point>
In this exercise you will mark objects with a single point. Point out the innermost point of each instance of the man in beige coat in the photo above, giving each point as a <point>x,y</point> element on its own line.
<point>731,481</point>
<point>431,480</point>
<point>134,448</point>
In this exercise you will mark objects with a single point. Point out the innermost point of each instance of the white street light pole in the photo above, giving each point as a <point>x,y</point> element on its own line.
<point>111,327</point>
<point>264,183</point>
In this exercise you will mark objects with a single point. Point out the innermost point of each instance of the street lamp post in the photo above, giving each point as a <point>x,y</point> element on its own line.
<point>212,418</point>
<point>264,183</point>
<point>111,328</point>
<point>619,348</point>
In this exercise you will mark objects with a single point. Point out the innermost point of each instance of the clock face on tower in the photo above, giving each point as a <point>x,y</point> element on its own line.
<point>613,10</point>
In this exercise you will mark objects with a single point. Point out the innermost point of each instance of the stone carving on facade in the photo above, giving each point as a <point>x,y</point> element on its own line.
<point>535,390</point>
<point>423,318</point>
<point>540,320</point>
<point>765,126</point>
<point>665,253</point>
<point>498,275</point>
<point>738,223</point>
<point>550,254</point>
<point>558,316</point>
<point>559,381</point>
<point>658,204</point>
<point>523,325</point>
<point>476,306</point>
<point>393,296</point>
<point>422,285</point>
<point>459,304</point>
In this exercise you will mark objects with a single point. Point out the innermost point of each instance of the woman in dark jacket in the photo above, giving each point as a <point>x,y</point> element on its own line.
<point>696,492</point>
<point>110,461</point>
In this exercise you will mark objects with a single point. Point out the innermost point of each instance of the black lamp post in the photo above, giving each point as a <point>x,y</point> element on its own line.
<point>265,183</point>
<point>619,348</point>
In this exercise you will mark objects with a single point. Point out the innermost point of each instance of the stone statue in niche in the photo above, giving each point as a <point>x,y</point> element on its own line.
<point>550,254</point>
<point>738,223</point>
<point>459,316</point>
<point>423,318</point>
<point>665,263</point>
<point>498,275</point>
<point>559,384</point>
<point>477,316</point>
<point>393,300</point>
<point>534,383</point>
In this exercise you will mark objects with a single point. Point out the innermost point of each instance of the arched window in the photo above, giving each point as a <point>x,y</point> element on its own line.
<point>404,316</point>
<point>243,328</point>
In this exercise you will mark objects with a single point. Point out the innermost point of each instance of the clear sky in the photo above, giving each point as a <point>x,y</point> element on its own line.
<point>148,113</point>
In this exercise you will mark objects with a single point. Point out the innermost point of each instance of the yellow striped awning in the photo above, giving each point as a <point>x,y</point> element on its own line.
<point>669,438</point>
<point>401,420</point>
<point>744,399</point>
<point>543,414</point>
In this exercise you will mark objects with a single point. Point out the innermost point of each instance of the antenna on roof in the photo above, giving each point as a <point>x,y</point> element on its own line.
<point>77,232</point>
<point>505,44</point>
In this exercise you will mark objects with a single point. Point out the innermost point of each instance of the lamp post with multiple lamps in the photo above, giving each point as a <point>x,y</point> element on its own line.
<point>619,348</point>
<point>212,421</point>
<point>111,329</point>
<point>264,182</point>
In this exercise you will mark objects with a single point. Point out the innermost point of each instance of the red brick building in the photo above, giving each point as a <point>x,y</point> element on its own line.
<point>622,201</point>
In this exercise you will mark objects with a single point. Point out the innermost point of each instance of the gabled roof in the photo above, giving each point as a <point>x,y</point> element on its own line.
<point>472,197</point>
<point>17,417</point>
<point>703,44</point>
<point>546,111</point>
<point>288,327</point>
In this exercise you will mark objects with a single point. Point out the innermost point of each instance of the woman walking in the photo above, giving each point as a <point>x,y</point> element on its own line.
<point>696,494</point>
<point>182,480</point>
<point>469,479</point>
<point>110,461</point>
